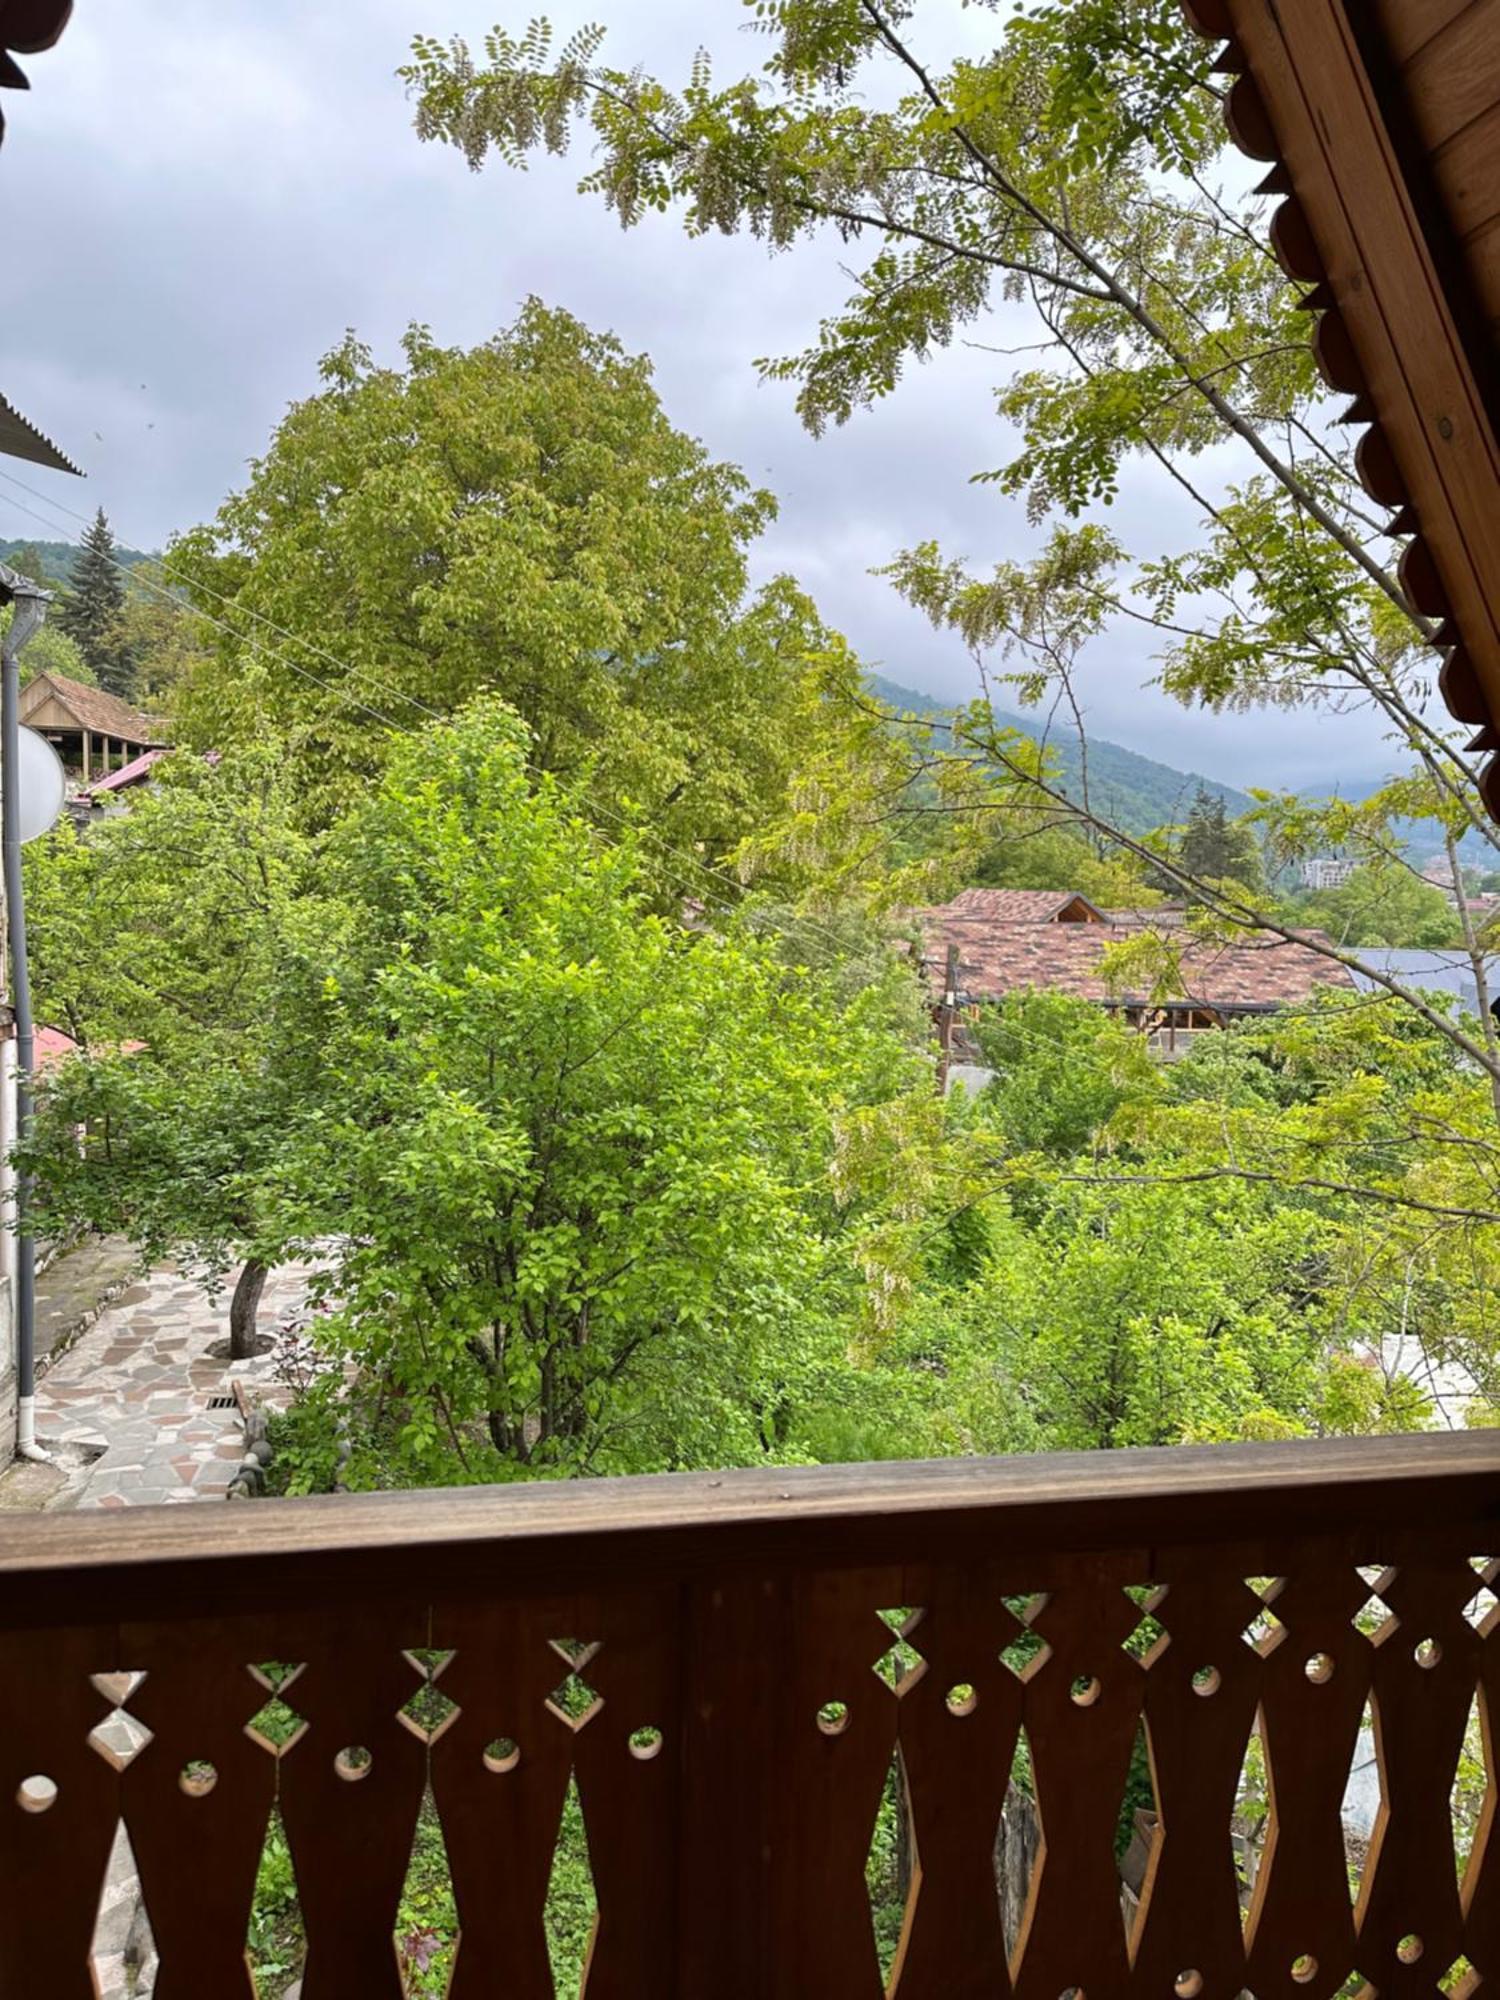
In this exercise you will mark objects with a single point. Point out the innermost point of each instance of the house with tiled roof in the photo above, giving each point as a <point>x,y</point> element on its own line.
<point>1027,906</point>
<point>95,733</point>
<point>975,949</point>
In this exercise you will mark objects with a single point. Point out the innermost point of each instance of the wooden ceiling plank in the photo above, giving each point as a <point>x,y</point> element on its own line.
<point>1332,134</point>
<point>1408,25</point>
<point>1455,77</point>
<point>1467,173</point>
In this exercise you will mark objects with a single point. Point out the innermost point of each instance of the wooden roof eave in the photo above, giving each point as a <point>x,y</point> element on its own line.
<point>1308,99</point>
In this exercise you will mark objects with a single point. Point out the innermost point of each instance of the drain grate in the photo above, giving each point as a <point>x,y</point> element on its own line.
<point>223,1402</point>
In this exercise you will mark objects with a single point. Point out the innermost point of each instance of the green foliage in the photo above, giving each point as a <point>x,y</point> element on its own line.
<point>92,613</point>
<point>1063,1068</point>
<point>1214,848</point>
<point>583,1156</point>
<point>50,651</point>
<point>519,518</point>
<point>1385,905</point>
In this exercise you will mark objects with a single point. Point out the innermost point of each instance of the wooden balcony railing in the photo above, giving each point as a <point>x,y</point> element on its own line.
<point>737,1619</point>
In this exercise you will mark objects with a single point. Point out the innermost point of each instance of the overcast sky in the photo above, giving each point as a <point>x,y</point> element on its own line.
<point>198,201</point>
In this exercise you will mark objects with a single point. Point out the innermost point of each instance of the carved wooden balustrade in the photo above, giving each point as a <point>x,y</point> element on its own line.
<point>732,1767</point>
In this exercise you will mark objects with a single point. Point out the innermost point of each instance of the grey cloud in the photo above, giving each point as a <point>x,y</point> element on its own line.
<point>200,202</point>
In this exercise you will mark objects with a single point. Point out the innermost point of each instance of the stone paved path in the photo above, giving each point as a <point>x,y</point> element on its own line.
<point>139,1386</point>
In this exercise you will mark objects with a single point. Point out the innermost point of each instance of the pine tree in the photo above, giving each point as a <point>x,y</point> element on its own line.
<point>93,613</point>
<point>1216,848</point>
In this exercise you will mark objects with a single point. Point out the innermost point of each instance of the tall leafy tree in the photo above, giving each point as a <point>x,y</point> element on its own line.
<point>93,612</point>
<point>599,1183</point>
<point>518,518</point>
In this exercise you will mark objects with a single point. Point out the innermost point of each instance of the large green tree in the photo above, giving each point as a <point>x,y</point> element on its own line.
<point>601,1189</point>
<point>584,1156</point>
<point>520,518</point>
<point>93,610</point>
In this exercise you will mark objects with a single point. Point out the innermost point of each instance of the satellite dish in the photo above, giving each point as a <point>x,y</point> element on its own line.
<point>42,784</point>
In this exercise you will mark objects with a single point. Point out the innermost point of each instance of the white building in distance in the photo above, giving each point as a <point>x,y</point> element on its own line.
<point>1324,871</point>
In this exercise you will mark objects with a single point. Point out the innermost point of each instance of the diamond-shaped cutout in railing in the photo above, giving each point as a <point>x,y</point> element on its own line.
<point>1472,1782</point>
<point>278,1937</point>
<point>1028,1649</point>
<point>276,1725</point>
<point>427,1932</point>
<point>1148,1630</point>
<point>429,1711</point>
<point>572,1908</point>
<point>1480,1608</point>
<point>1364,1796</point>
<point>890,1869</point>
<point>1138,1831</point>
<point>901,1666</point>
<point>1375,1614</point>
<point>573,1701</point>
<point>120,1737</point>
<point>1265,1626</point>
<point>1250,1820</point>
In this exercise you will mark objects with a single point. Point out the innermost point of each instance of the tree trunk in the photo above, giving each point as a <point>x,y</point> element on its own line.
<point>243,1308</point>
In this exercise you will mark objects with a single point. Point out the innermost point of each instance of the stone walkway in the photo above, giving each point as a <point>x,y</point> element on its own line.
<point>139,1394</point>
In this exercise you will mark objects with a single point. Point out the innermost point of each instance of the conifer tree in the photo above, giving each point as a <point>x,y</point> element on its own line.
<point>93,612</point>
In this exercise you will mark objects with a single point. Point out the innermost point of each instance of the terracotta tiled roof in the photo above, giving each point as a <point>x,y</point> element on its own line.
<point>134,773</point>
<point>104,713</point>
<point>1000,958</point>
<point>1165,917</point>
<point>1023,906</point>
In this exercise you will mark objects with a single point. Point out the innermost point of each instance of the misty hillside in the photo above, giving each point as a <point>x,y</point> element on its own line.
<point>1136,792</point>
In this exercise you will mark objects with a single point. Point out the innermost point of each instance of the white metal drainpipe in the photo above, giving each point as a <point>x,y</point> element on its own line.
<point>30,603</point>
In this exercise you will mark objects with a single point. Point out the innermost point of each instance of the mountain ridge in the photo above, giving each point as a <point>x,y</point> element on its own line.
<point>1135,791</point>
<point>58,557</point>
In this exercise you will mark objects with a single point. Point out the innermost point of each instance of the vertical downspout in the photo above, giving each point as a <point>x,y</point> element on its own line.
<point>30,610</point>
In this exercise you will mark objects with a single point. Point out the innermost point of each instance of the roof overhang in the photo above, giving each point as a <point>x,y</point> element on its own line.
<point>26,28</point>
<point>1379,223</point>
<point>21,439</point>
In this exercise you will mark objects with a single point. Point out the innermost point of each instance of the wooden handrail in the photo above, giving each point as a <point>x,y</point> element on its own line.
<point>92,1567</point>
<point>1058,1614</point>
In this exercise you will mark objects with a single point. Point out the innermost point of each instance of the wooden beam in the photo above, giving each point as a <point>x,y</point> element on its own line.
<point>1331,130</point>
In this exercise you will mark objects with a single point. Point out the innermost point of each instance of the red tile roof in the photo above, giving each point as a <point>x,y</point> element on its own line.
<point>1024,906</point>
<point>997,958</point>
<point>129,774</point>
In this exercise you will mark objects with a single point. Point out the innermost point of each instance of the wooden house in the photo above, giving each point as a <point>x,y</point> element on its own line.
<point>94,733</point>
<point>988,944</point>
